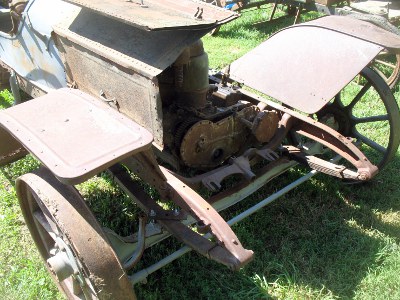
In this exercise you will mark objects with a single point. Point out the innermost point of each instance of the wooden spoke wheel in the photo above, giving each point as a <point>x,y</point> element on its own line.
<point>70,240</point>
<point>367,112</point>
<point>387,65</point>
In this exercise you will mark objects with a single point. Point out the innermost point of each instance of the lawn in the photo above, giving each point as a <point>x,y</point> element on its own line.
<point>323,240</point>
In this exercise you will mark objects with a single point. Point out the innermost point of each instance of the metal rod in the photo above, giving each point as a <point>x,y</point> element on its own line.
<point>15,88</point>
<point>276,195</point>
<point>142,274</point>
<point>274,10</point>
<point>134,259</point>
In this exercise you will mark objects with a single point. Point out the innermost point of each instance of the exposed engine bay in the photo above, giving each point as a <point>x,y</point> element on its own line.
<point>210,120</point>
<point>205,123</point>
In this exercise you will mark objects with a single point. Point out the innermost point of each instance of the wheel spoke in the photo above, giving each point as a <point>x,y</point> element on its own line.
<point>359,110</point>
<point>371,119</point>
<point>370,142</point>
<point>385,63</point>
<point>338,101</point>
<point>47,224</point>
<point>360,94</point>
<point>383,54</point>
<point>381,74</point>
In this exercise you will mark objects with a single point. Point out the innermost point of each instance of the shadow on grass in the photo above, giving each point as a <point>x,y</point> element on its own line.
<point>253,20</point>
<point>314,237</point>
<point>329,235</point>
<point>382,195</point>
<point>323,236</point>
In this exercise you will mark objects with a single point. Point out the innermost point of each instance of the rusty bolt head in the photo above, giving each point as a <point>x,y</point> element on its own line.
<point>363,176</point>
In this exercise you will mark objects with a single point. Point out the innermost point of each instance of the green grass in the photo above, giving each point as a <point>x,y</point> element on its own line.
<point>324,240</point>
<point>22,275</point>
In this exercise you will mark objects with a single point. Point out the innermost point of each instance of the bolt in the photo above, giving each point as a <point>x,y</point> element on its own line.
<point>362,176</point>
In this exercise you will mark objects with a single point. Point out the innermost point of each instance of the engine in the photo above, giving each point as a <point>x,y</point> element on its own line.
<point>205,123</point>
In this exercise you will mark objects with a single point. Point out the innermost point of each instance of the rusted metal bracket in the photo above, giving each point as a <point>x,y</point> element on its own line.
<point>237,165</point>
<point>321,165</point>
<point>325,135</point>
<point>137,255</point>
<point>341,145</point>
<point>227,250</point>
<point>204,212</point>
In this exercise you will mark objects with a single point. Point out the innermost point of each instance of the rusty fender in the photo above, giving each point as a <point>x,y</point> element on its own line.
<point>306,65</point>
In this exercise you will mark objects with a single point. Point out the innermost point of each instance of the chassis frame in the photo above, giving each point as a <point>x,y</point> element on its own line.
<point>93,262</point>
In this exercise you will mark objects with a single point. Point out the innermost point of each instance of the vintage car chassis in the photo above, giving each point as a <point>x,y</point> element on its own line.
<point>101,105</point>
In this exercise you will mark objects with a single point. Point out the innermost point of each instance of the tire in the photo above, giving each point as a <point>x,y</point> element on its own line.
<point>62,225</point>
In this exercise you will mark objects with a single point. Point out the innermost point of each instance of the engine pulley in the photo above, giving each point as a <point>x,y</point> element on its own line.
<point>207,144</point>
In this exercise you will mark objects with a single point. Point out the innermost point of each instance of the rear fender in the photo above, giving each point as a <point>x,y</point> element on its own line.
<point>306,65</point>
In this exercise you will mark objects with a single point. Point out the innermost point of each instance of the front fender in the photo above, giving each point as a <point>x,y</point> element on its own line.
<point>73,134</point>
<point>306,65</point>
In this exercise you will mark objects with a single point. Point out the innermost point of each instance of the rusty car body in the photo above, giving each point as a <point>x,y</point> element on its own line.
<point>124,87</point>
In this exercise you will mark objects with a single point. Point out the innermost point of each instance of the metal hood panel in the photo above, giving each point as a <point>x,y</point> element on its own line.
<point>145,52</point>
<point>161,14</point>
<point>304,66</point>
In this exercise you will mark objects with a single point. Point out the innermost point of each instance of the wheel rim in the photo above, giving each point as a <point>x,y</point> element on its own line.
<point>53,245</point>
<point>69,239</point>
<point>369,114</point>
<point>387,65</point>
